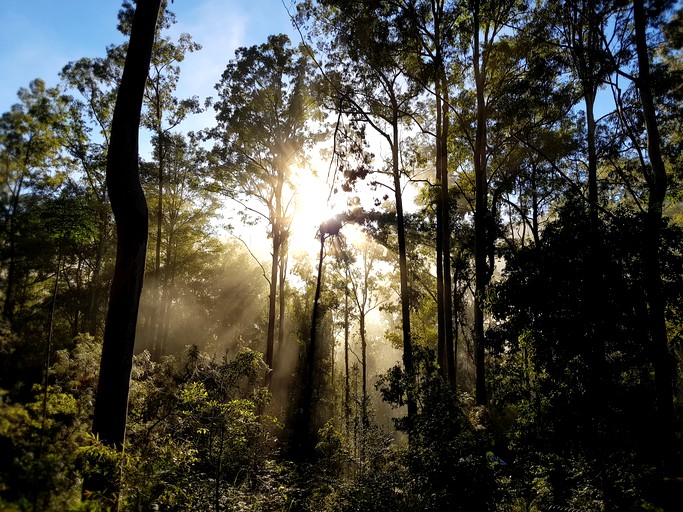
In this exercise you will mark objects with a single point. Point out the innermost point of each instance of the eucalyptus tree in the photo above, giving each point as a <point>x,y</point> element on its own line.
<point>367,84</point>
<point>365,285</point>
<point>639,30</point>
<point>580,29</point>
<point>130,213</point>
<point>86,144</point>
<point>188,243</point>
<point>428,30</point>
<point>30,144</point>
<point>162,114</point>
<point>264,112</point>
<point>485,53</point>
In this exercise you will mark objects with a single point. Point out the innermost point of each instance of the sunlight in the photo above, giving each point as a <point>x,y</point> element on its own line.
<point>313,204</point>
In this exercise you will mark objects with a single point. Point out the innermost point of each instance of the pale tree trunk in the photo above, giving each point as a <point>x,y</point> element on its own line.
<point>446,234</point>
<point>282,298</point>
<point>347,388</point>
<point>272,303</point>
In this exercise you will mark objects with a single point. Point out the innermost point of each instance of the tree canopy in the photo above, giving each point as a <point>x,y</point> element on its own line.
<point>488,316</point>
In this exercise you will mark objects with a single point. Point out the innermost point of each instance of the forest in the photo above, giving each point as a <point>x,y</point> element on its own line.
<point>426,256</point>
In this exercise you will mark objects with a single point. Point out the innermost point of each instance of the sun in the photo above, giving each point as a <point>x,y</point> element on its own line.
<point>312,203</point>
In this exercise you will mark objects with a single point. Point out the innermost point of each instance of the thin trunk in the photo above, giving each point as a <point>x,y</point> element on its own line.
<point>480,216</point>
<point>306,435</point>
<point>364,367</point>
<point>446,234</point>
<point>48,350</point>
<point>408,362</point>
<point>456,310</point>
<point>591,126</point>
<point>442,357</point>
<point>165,302</point>
<point>158,301</point>
<point>347,388</point>
<point>657,185</point>
<point>10,287</point>
<point>75,326</point>
<point>534,207</point>
<point>93,304</point>
<point>272,303</point>
<point>282,298</point>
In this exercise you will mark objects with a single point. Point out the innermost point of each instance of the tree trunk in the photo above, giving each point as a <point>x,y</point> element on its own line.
<point>282,299</point>
<point>305,434</point>
<point>440,289</point>
<point>272,303</point>
<point>158,305</point>
<point>446,234</point>
<point>408,362</point>
<point>364,367</point>
<point>657,185</point>
<point>347,387</point>
<point>130,211</point>
<point>480,216</point>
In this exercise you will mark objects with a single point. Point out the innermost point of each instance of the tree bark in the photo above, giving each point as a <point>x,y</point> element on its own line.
<point>408,362</point>
<point>270,340</point>
<point>480,216</point>
<point>446,234</point>
<point>131,215</point>
<point>657,186</point>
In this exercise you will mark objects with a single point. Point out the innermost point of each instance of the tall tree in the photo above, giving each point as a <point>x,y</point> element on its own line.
<point>656,178</point>
<point>430,26</point>
<point>90,114</point>
<point>481,36</point>
<point>29,145</point>
<point>363,284</point>
<point>130,212</point>
<point>163,113</point>
<point>263,111</point>
<point>368,85</point>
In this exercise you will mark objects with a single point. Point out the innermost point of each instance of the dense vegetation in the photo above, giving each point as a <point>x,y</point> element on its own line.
<point>494,319</point>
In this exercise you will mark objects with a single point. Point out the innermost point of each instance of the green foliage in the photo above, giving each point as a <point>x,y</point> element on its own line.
<point>446,458</point>
<point>197,436</point>
<point>569,445</point>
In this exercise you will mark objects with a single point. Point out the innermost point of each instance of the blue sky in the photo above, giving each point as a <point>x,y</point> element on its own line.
<point>39,37</point>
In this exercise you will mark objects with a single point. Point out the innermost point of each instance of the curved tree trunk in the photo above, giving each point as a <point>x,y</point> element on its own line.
<point>130,211</point>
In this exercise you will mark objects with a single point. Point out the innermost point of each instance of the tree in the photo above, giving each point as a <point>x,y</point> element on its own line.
<point>263,111</point>
<point>367,84</point>
<point>188,246</point>
<point>656,179</point>
<point>96,81</point>
<point>363,283</point>
<point>430,27</point>
<point>29,143</point>
<point>130,213</point>
<point>163,113</point>
<point>485,46</point>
